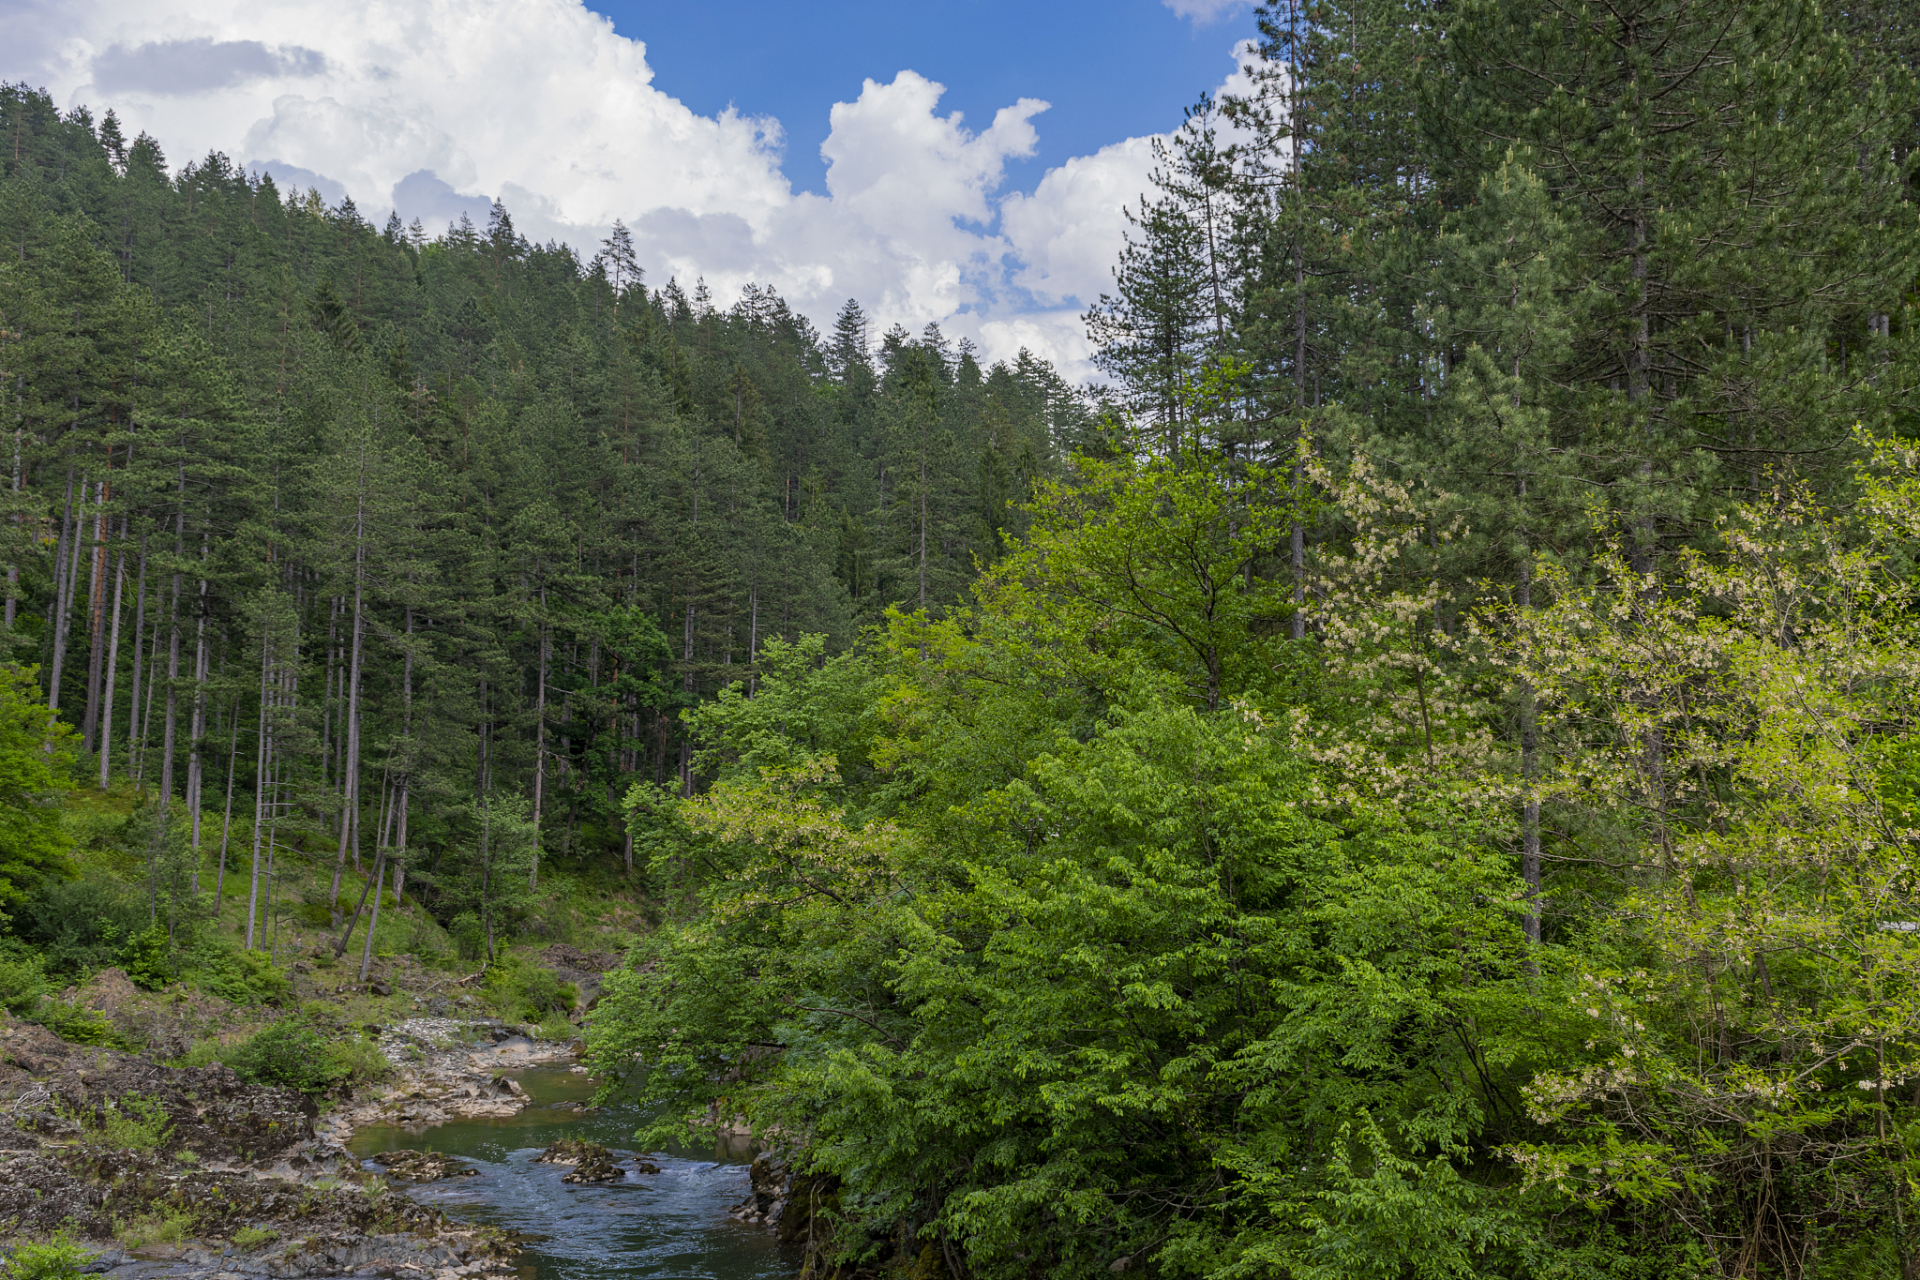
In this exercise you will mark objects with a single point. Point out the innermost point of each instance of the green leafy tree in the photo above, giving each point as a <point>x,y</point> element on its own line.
<point>36,759</point>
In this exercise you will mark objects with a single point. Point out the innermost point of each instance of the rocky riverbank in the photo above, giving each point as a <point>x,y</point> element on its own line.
<point>191,1173</point>
<point>446,1069</point>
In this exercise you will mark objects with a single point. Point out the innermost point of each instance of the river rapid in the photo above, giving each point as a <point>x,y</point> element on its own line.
<point>670,1224</point>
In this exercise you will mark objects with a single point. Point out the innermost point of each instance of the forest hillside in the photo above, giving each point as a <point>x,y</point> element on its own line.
<point>373,529</point>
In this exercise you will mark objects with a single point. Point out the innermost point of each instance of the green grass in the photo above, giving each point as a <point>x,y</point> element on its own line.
<point>165,1225</point>
<point>132,1123</point>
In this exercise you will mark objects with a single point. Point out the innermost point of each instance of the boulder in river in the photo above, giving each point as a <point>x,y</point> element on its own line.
<point>596,1170</point>
<point>422,1166</point>
<point>571,1151</point>
<point>591,1162</point>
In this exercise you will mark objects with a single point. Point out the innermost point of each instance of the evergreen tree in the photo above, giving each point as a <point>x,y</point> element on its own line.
<point>1729,250</point>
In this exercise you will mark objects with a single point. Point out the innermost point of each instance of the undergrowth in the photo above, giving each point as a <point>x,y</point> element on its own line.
<point>61,1258</point>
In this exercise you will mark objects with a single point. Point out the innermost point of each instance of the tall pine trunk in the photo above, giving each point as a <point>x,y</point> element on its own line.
<point>377,883</point>
<point>753,633</point>
<point>328,700</point>
<point>113,659</point>
<point>540,743</point>
<point>350,790</point>
<point>170,735</point>
<point>96,615</point>
<point>262,764</point>
<point>196,767</point>
<point>76,552</point>
<point>1297,533</point>
<point>400,845</point>
<point>67,549</point>
<point>486,871</point>
<point>923,525</point>
<point>13,569</point>
<point>687,682</point>
<point>226,821</point>
<point>146,706</point>
<point>406,763</point>
<point>1529,768</point>
<point>135,722</point>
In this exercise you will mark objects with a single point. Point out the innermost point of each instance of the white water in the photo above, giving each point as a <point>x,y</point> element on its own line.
<point>670,1224</point>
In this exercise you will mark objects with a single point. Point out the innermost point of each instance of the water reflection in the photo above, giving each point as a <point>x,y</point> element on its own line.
<point>670,1224</point>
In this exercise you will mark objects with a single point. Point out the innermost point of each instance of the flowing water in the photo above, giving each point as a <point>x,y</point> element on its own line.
<point>669,1225</point>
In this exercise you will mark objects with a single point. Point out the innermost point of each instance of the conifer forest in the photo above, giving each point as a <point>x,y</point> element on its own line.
<point>1413,774</point>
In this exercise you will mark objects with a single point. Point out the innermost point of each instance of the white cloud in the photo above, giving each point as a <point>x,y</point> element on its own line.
<point>1068,232</point>
<point>541,94</point>
<point>201,65</point>
<point>436,106</point>
<point>1207,11</point>
<point>1058,337</point>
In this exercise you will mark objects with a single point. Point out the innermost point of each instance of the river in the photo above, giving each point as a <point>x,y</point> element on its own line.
<point>670,1224</point>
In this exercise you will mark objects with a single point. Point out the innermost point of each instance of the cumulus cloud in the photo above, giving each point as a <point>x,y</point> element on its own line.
<point>1203,12</point>
<point>434,107</point>
<point>424,195</point>
<point>200,66</point>
<point>1067,234</point>
<point>296,178</point>
<point>1068,231</point>
<point>541,94</point>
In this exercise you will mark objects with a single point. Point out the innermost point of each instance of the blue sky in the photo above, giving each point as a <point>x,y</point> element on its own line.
<point>1111,69</point>
<point>1002,227</point>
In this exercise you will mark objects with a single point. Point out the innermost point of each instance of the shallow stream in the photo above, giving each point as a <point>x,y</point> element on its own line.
<point>670,1224</point>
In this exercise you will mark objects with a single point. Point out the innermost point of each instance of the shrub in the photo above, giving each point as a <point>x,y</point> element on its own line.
<point>79,1025</point>
<point>149,960</point>
<point>58,1259</point>
<point>526,992</point>
<point>202,1052</point>
<point>322,1016</point>
<point>288,1052</point>
<point>542,991</point>
<point>208,960</point>
<point>23,980</point>
<point>25,993</point>
<point>469,935</point>
<point>250,1237</point>
<point>359,1061</point>
<point>79,925</point>
<point>244,977</point>
<point>294,1053</point>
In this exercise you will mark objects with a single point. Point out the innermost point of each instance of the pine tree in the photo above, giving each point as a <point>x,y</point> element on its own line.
<point>1727,244</point>
<point>1151,333</point>
<point>623,268</point>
